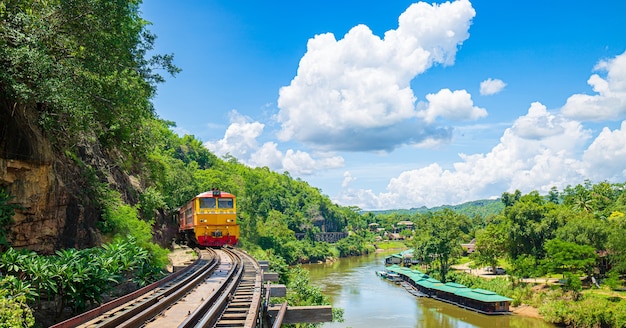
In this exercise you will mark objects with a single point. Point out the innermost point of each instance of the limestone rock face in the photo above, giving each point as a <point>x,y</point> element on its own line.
<point>49,218</point>
<point>54,212</point>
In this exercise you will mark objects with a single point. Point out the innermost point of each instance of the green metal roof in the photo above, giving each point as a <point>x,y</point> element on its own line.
<point>395,268</point>
<point>483,295</point>
<point>424,280</point>
<point>455,285</point>
<point>452,288</point>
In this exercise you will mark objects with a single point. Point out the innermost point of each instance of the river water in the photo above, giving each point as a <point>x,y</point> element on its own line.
<point>369,301</point>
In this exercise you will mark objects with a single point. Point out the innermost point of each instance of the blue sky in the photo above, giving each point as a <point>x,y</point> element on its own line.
<point>400,104</point>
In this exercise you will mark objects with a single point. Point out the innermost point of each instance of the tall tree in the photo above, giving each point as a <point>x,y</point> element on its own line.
<point>530,223</point>
<point>439,239</point>
<point>491,244</point>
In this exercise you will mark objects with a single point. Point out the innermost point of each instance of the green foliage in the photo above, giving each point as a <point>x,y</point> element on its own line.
<point>7,210</point>
<point>300,292</point>
<point>531,222</point>
<point>353,245</point>
<point>526,266</point>
<point>591,311</point>
<point>76,278</point>
<point>438,239</point>
<point>150,202</point>
<point>612,280</point>
<point>14,311</point>
<point>584,229</point>
<point>570,257</point>
<point>490,245</point>
<point>84,63</point>
<point>122,220</point>
<point>616,243</point>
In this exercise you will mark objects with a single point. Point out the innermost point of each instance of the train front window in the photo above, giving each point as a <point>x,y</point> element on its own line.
<point>207,202</point>
<point>225,203</point>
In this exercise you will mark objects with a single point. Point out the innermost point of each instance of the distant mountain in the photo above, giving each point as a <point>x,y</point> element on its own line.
<point>483,207</point>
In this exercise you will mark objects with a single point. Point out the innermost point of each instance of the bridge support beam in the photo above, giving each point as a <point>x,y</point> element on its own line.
<point>270,276</point>
<point>304,314</point>
<point>278,290</point>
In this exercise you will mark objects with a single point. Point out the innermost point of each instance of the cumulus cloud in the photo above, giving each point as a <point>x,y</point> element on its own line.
<point>491,86</point>
<point>606,155</point>
<point>537,124</point>
<point>355,94</point>
<point>453,105</point>
<point>535,160</point>
<point>347,179</point>
<point>609,102</point>
<point>240,141</point>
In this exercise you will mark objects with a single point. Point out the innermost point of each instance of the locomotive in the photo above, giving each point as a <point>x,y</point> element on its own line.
<point>209,219</point>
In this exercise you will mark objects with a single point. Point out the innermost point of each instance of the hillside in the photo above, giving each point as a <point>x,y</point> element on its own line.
<point>483,207</point>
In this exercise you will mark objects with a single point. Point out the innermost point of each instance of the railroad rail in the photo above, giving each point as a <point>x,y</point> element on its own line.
<point>238,303</point>
<point>223,288</point>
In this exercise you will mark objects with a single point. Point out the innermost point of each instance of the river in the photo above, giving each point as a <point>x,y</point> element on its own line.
<point>369,301</point>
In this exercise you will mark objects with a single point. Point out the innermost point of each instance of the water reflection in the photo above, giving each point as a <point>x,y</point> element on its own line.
<point>369,301</point>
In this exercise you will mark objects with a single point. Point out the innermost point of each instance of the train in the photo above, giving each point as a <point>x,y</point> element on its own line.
<point>209,220</point>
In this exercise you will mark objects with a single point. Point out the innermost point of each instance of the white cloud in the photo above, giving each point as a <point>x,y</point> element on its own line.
<point>347,179</point>
<point>453,105</point>
<point>355,94</point>
<point>609,102</point>
<point>491,86</point>
<point>606,156</point>
<point>240,141</point>
<point>537,124</point>
<point>536,160</point>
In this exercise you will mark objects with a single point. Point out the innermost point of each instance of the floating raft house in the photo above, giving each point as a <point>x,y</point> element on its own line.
<point>475,299</point>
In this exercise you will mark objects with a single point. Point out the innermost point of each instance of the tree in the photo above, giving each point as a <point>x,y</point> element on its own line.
<point>563,256</point>
<point>584,229</point>
<point>510,199</point>
<point>616,243</point>
<point>490,245</point>
<point>553,195</point>
<point>82,68</point>
<point>531,221</point>
<point>439,239</point>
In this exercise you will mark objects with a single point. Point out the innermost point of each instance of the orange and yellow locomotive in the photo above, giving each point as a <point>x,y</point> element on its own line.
<point>209,219</point>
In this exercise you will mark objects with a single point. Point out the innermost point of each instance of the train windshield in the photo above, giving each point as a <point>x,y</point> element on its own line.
<point>207,202</point>
<point>225,203</point>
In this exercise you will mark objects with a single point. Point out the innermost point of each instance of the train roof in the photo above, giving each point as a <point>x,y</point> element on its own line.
<point>212,194</point>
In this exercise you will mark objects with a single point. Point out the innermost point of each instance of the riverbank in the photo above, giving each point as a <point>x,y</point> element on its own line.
<point>526,311</point>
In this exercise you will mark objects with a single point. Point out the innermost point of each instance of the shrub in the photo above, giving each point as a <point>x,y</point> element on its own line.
<point>14,312</point>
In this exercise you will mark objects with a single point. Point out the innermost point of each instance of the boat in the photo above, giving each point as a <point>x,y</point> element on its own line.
<point>391,276</point>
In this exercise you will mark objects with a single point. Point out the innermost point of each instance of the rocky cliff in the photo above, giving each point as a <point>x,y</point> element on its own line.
<point>56,209</point>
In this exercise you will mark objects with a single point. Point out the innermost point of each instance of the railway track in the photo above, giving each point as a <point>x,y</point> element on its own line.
<point>223,288</point>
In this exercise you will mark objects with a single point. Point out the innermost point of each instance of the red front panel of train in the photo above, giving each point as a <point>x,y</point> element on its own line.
<point>210,241</point>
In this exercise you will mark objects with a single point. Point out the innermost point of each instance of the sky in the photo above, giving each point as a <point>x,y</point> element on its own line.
<point>398,104</point>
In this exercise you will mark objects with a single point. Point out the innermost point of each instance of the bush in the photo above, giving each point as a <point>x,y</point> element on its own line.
<point>14,312</point>
<point>592,311</point>
<point>122,220</point>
